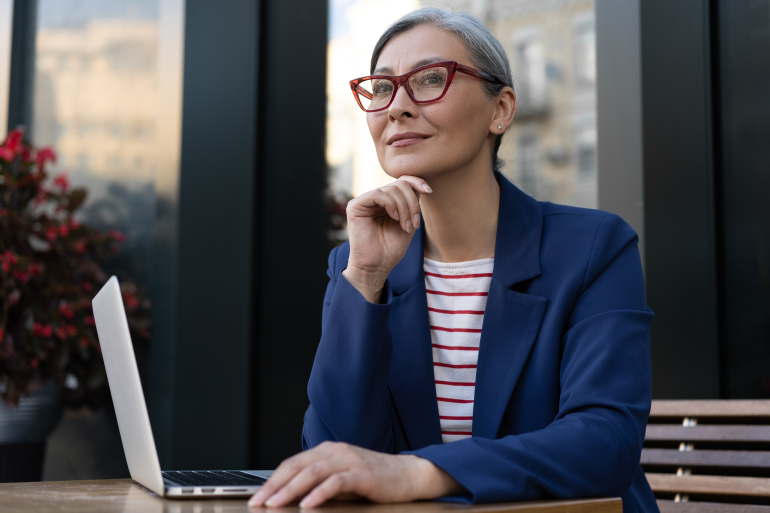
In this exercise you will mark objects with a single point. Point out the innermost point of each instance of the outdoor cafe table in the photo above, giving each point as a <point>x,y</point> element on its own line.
<point>125,496</point>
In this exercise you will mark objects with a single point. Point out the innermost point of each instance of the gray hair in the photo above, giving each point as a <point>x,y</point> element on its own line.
<point>483,48</point>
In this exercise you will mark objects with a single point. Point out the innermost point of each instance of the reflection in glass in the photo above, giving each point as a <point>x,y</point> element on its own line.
<point>95,101</point>
<point>550,151</point>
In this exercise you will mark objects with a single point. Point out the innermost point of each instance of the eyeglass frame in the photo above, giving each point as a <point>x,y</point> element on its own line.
<point>451,66</point>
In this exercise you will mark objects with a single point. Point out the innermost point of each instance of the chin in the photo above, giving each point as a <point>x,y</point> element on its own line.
<point>411,166</point>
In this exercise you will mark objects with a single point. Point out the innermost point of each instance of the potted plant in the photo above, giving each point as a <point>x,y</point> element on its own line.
<point>51,265</point>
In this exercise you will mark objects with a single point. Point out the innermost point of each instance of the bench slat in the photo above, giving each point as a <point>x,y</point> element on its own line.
<point>709,507</point>
<point>711,408</point>
<point>707,433</point>
<point>710,485</point>
<point>706,458</point>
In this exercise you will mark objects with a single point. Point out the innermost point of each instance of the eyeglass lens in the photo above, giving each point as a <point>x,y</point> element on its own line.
<point>426,85</point>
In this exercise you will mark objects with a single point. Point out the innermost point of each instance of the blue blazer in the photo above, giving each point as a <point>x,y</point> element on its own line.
<point>563,380</point>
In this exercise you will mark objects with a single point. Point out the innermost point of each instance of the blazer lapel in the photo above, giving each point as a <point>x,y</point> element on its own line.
<point>511,320</point>
<point>411,371</point>
<point>511,324</point>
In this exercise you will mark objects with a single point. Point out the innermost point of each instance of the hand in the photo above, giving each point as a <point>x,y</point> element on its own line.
<point>381,224</point>
<point>337,469</point>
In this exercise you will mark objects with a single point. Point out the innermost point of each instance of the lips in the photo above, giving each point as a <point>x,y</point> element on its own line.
<point>406,138</point>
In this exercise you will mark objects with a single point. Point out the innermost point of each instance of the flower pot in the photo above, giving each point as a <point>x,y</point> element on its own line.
<point>23,431</point>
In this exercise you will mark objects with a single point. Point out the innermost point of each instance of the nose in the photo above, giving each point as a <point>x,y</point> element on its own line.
<point>402,105</point>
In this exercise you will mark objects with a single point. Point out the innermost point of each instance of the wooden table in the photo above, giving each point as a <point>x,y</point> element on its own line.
<point>125,496</point>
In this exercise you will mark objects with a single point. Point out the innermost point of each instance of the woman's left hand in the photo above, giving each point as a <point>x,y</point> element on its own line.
<point>337,469</point>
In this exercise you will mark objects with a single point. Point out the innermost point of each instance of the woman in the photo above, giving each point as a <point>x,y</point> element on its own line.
<point>461,306</point>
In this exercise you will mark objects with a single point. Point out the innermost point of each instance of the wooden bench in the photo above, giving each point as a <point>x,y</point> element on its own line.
<point>709,456</point>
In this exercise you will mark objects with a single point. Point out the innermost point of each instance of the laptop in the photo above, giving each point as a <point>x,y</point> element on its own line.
<point>134,422</point>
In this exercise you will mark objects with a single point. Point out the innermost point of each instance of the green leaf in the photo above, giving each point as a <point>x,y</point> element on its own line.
<point>75,199</point>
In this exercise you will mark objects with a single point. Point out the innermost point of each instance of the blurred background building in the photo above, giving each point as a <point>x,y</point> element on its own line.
<point>176,115</point>
<point>550,151</point>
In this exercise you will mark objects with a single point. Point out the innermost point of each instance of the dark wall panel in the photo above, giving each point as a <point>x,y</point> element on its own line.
<point>209,360</point>
<point>744,57</point>
<point>678,192</point>
<point>291,221</point>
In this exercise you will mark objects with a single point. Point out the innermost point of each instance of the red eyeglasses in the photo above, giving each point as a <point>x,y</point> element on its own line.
<point>425,84</point>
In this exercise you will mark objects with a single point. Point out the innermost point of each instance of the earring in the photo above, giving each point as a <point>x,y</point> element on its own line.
<point>499,127</point>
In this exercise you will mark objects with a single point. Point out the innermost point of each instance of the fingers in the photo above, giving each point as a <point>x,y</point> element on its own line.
<point>286,471</point>
<point>418,184</point>
<point>394,202</point>
<point>412,200</point>
<point>303,482</point>
<point>336,484</point>
<point>404,194</point>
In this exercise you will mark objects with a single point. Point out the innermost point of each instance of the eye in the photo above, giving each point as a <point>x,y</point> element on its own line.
<point>431,79</point>
<point>382,87</point>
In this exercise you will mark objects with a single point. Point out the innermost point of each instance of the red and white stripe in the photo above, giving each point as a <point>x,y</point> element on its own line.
<point>457,297</point>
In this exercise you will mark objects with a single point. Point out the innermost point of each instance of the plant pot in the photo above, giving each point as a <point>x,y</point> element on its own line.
<point>23,431</point>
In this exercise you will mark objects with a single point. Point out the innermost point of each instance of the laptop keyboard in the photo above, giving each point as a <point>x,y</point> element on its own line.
<point>213,478</point>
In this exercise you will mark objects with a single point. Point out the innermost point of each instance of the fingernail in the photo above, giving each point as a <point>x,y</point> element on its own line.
<point>416,220</point>
<point>408,225</point>
<point>395,215</point>
<point>274,500</point>
<point>426,188</point>
<point>257,498</point>
<point>306,503</point>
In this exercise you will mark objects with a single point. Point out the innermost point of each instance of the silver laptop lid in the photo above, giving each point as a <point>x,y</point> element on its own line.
<point>126,388</point>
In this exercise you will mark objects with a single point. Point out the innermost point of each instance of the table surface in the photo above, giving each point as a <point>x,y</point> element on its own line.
<point>126,496</point>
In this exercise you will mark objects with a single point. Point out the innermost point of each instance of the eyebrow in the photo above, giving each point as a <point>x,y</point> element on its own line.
<point>424,62</point>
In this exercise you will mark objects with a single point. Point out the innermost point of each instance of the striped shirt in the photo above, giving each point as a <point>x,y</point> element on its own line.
<point>457,297</point>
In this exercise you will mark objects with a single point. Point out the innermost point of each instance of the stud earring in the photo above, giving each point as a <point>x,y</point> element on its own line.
<point>499,127</point>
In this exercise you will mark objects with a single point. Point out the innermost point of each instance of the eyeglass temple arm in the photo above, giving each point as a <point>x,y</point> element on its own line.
<point>363,92</point>
<point>476,73</point>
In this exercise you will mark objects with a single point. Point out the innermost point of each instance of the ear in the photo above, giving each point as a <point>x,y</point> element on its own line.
<point>505,108</point>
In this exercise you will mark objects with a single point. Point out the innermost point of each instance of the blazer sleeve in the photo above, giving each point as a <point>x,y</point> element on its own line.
<point>348,387</point>
<point>593,446</point>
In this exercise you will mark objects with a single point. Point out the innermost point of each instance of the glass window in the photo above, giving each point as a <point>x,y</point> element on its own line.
<point>95,101</point>
<point>549,151</point>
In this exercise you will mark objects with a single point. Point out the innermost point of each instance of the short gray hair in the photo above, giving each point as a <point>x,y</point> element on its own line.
<point>484,49</point>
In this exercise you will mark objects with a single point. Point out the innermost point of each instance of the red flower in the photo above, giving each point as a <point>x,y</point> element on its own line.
<point>62,182</point>
<point>44,155</point>
<point>131,301</point>
<point>35,269</point>
<point>72,330</point>
<point>21,275</point>
<point>42,330</point>
<point>2,334</point>
<point>90,321</point>
<point>74,224</point>
<point>62,332</point>
<point>84,342</point>
<point>66,310</point>
<point>10,257</point>
<point>80,246</point>
<point>34,362</point>
<point>64,230</point>
<point>41,197</point>
<point>117,236</point>
<point>6,154</point>
<point>13,140</point>
<point>51,233</point>
<point>6,266</point>
<point>87,286</point>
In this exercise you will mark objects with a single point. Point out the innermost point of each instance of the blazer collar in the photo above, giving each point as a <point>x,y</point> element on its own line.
<point>517,244</point>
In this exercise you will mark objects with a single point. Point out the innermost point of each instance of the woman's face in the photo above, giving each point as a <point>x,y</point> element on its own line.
<point>453,132</point>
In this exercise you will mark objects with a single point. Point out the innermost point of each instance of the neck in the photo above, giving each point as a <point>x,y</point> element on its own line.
<point>460,217</point>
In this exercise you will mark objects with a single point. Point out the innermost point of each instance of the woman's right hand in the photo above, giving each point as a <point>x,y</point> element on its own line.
<point>381,224</point>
